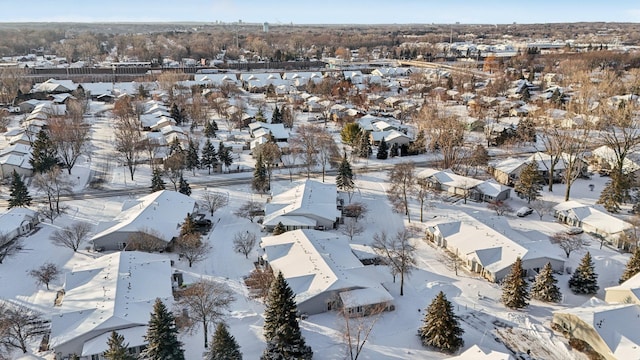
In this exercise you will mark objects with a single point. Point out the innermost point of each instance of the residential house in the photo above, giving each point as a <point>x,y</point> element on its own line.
<point>308,205</point>
<point>626,293</point>
<point>10,162</point>
<point>605,159</point>
<point>610,329</point>
<point>592,220</point>
<point>16,222</point>
<point>463,186</point>
<point>55,86</point>
<point>159,214</point>
<point>115,292</point>
<point>324,273</point>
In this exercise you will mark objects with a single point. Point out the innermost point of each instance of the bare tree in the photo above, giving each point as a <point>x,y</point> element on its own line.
<point>356,210</point>
<point>214,201</point>
<point>259,282</point>
<point>542,207</point>
<point>289,159</point>
<point>249,210</point>
<point>568,243</point>
<point>45,274</point>
<point>328,153</point>
<point>206,302</point>
<point>397,251</point>
<point>71,236</point>
<point>128,138</point>
<point>500,207</point>
<point>70,136</point>
<point>152,147</point>
<point>244,242</point>
<point>357,329</point>
<point>352,228</point>
<point>54,184</point>
<point>575,147</point>
<point>270,153</point>
<point>423,193</point>
<point>315,146</point>
<point>402,182</point>
<point>174,166</point>
<point>9,247</point>
<point>445,133</point>
<point>147,239</point>
<point>552,138</point>
<point>19,325</point>
<point>191,247</point>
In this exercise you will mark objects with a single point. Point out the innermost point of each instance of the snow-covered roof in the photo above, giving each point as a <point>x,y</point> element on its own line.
<point>592,216</point>
<point>14,217</point>
<point>448,178</point>
<point>55,85</point>
<point>491,188</point>
<point>509,165</point>
<point>133,337</point>
<point>632,284</point>
<point>311,199</point>
<point>315,261</point>
<point>277,130</point>
<point>477,353</point>
<point>111,292</point>
<point>608,155</point>
<point>160,211</point>
<point>617,325</point>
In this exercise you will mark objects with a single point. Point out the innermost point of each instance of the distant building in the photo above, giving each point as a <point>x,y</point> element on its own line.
<point>265,27</point>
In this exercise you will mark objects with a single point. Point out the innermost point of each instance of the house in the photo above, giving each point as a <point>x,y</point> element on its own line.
<point>115,292</point>
<point>324,273</point>
<point>309,205</point>
<point>55,86</point>
<point>628,292</point>
<point>610,329</point>
<point>592,220</point>
<point>261,129</point>
<point>605,159</point>
<point>490,251</point>
<point>16,222</point>
<point>158,214</point>
<point>507,171</point>
<point>19,163</point>
<point>390,137</point>
<point>463,186</point>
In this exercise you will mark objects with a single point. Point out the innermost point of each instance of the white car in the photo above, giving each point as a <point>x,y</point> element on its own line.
<point>574,230</point>
<point>524,211</point>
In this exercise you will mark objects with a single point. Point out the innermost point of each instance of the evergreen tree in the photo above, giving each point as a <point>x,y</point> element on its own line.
<point>544,287</point>
<point>344,178</point>
<point>609,198</point>
<point>175,146</point>
<point>18,192</point>
<point>260,181</point>
<point>383,150</point>
<point>117,348</point>
<point>633,266</point>
<point>162,336</point>
<point>364,145</point>
<point>404,150</point>
<point>526,130</point>
<point>188,226</point>
<point>276,118</point>
<point>209,131</point>
<point>584,279</point>
<point>281,328</point>
<point>394,151</point>
<point>419,145</point>
<point>223,345</point>
<point>43,153</point>
<point>178,114</point>
<point>279,229</point>
<point>184,187</point>
<point>224,155</point>
<point>157,183</point>
<point>441,328</point>
<point>514,288</point>
<point>193,156</point>
<point>209,155</point>
<point>529,182</point>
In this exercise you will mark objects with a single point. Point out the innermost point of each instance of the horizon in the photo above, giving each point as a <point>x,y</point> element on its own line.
<point>331,12</point>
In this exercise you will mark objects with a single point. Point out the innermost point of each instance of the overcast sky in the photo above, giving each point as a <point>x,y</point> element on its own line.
<point>323,11</point>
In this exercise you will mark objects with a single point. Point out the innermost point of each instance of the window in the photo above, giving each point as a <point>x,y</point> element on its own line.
<point>95,357</point>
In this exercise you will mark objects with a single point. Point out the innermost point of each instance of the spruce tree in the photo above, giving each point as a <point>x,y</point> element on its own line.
<point>188,226</point>
<point>184,187</point>
<point>178,114</point>
<point>279,229</point>
<point>224,155</point>
<point>419,145</point>
<point>544,287</point>
<point>260,181</point>
<point>633,266</point>
<point>529,182</point>
<point>18,192</point>
<point>364,145</point>
<point>43,153</point>
<point>515,288</point>
<point>344,178</point>
<point>210,128</point>
<point>193,156</point>
<point>584,279</point>
<point>209,155</point>
<point>383,150</point>
<point>394,151</point>
<point>162,336</point>
<point>281,329</point>
<point>175,146</point>
<point>117,348</point>
<point>276,118</point>
<point>441,328</point>
<point>223,345</point>
<point>157,183</point>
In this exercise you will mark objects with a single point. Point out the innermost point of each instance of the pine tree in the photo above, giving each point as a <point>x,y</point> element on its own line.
<point>441,328</point>
<point>43,153</point>
<point>223,345</point>
<point>394,151</point>
<point>364,145</point>
<point>344,178</point>
<point>193,156</point>
<point>609,198</point>
<point>224,155</point>
<point>117,348</point>
<point>209,155</point>
<point>188,226</point>
<point>529,182</point>
<point>279,229</point>
<point>419,145</point>
<point>157,183</point>
<point>210,128</point>
<point>260,181</point>
<point>184,187</point>
<point>175,146</point>
<point>18,192</point>
<point>584,279</point>
<point>544,287</point>
<point>633,266</point>
<point>383,150</point>
<point>281,329</point>
<point>178,114</point>
<point>276,118</point>
<point>514,288</point>
<point>162,336</point>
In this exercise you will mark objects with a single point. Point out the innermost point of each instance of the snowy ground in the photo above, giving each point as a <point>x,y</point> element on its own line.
<point>486,322</point>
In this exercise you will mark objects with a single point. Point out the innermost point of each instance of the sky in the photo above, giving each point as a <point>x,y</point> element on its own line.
<point>323,12</point>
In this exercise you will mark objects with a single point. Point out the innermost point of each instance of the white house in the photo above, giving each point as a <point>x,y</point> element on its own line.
<point>113,292</point>
<point>464,186</point>
<point>158,214</point>
<point>309,205</point>
<point>324,273</point>
<point>627,292</point>
<point>15,222</point>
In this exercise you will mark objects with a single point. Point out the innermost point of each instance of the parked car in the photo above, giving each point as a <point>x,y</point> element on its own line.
<point>524,211</point>
<point>574,230</point>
